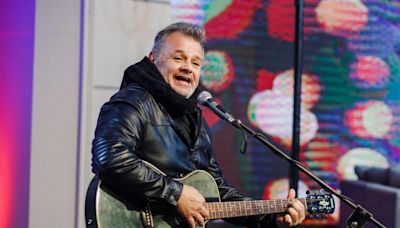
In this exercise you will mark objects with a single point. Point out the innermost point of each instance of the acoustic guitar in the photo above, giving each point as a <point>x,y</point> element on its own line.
<point>103,210</point>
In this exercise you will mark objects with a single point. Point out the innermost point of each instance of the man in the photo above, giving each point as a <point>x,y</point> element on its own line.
<point>154,118</point>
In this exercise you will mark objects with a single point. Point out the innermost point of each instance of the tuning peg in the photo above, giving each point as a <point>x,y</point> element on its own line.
<point>313,209</point>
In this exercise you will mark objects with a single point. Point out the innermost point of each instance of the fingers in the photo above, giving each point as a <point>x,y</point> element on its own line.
<point>295,212</point>
<point>292,216</point>
<point>191,222</point>
<point>199,219</point>
<point>204,212</point>
<point>296,208</point>
<point>197,216</point>
<point>289,220</point>
<point>200,214</point>
<point>283,221</point>
<point>191,205</point>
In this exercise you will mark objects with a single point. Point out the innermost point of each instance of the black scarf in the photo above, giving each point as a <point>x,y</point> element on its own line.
<point>146,74</point>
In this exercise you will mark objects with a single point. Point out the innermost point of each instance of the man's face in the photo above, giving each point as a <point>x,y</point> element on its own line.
<point>179,62</point>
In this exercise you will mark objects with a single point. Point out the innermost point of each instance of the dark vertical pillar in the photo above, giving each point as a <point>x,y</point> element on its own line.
<point>298,69</point>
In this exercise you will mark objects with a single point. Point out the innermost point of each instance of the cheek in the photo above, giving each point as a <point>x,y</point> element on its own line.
<point>164,71</point>
<point>168,71</point>
<point>196,82</point>
<point>197,78</point>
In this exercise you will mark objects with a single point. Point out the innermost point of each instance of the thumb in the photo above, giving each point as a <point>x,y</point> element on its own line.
<point>291,194</point>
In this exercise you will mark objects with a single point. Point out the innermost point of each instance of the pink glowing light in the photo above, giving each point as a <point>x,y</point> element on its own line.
<point>274,116</point>
<point>272,110</point>
<point>342,17</point>
<point>310,87</point>
<point>188,11</point>
<point>7,160</point>
<point>370,71</point>
<point>369,120</point>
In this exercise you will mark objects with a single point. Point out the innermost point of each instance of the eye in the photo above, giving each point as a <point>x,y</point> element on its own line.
<point>197,64</point>
<point>177,58</point>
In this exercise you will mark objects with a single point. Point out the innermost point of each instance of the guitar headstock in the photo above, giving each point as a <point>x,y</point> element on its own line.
<point>319,201</point>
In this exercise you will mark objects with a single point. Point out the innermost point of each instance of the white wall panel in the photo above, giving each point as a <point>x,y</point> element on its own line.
<point>117,35</point>
<point>123,33</point>
<point>55,115</point>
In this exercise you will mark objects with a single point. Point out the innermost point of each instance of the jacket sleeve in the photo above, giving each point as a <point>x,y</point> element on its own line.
<point>117,134</point>
<point>229,193</point>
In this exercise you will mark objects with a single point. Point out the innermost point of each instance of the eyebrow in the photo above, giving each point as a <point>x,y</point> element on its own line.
<point>182,52</point>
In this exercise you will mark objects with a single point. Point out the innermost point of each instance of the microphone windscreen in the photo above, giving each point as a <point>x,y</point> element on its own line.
<point>203,96</point>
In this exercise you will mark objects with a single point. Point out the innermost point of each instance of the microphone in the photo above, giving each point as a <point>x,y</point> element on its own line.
<point>205,99</point>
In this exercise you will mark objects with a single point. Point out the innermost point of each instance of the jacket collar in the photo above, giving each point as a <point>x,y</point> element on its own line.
<point>146,74</point>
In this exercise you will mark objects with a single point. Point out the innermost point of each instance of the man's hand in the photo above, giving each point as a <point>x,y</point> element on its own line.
<point>295,213</point>
<point>191,206</point>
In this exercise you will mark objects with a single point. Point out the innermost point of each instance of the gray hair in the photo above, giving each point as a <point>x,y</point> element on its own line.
<point>188,29</point>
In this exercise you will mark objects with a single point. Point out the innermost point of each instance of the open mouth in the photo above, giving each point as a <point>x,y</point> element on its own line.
<point>183,78</point>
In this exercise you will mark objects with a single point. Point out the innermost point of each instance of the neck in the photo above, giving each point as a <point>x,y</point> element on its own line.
<point>248,208</point>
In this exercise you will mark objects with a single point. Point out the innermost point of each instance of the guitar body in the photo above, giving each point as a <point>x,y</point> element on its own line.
<point>105,211</point>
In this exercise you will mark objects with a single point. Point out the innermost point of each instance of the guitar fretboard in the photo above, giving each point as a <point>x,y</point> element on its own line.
<point>247,208</point>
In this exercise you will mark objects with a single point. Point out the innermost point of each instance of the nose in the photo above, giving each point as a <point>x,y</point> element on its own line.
<point>186,67</point>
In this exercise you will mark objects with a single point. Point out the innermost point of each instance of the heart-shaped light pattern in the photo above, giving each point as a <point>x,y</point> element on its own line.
<point>272,110</point>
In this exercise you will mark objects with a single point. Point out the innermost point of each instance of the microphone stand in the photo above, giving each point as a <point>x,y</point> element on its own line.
<point>359,216</point>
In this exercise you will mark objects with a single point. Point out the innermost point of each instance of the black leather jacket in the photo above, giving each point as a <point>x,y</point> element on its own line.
<point>133,126</point>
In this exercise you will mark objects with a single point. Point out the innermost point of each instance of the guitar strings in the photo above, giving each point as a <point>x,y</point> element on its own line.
<point>255,203</point>
<point>223,209</point>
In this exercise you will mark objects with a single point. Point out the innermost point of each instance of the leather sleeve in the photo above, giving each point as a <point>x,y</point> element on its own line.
<point>117,135</point>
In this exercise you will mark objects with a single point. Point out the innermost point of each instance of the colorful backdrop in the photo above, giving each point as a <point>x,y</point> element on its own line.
<point>350,102</point>
<point>16,76</point>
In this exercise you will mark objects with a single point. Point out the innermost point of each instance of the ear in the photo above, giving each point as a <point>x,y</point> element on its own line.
<point>152,57</point>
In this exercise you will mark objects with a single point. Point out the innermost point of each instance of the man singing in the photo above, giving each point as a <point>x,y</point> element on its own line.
<point>154,118</point>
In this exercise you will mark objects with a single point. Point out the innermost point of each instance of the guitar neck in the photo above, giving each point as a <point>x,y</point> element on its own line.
<point>247,208</point>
